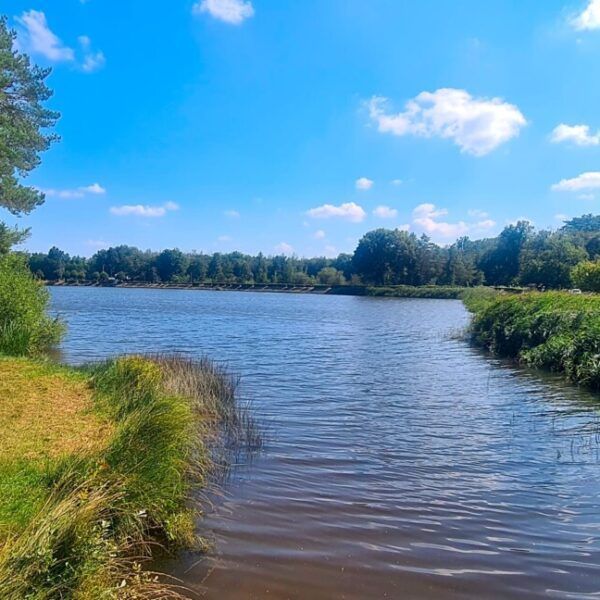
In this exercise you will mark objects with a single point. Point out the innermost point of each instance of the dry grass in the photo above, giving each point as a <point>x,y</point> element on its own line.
<point>46,413</point>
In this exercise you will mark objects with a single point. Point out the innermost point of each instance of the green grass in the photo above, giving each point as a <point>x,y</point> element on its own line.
<point>99,471</point>
<point>426,291</point>
<point>556,331</point>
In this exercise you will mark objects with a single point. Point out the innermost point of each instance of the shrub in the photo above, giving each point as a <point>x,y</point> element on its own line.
<point>25,328</point>
<point>556,331</point>
<point>586,276</point>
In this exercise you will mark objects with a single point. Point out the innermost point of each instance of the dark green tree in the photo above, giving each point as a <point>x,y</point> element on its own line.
<point>24,121</point>
<point>171,264</point>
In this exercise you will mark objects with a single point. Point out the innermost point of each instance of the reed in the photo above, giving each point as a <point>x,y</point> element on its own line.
<point>102,514</point>
<point>556,331</point>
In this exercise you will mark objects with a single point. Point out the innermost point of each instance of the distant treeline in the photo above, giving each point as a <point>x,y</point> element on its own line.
<point>518,256</point>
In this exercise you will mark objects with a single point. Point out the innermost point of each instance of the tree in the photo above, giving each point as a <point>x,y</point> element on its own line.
<point>387,257</point>
<point>23,122</point>
<point>330,276</point>
<point>586,276</point>
<point>547,260</point>
<point>197,268</point>
<point>585,223</point>
<point>501,264</point>
<point>171,264</point>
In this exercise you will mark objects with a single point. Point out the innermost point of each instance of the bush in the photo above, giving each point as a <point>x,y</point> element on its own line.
<point>586,276</point>
<point>25,328</point>
<point>556,331</point>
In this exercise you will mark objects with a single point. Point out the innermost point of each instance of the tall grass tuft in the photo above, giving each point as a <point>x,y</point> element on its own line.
<point>106,514</point>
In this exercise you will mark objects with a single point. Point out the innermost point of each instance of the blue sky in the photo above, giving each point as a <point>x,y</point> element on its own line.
<point>288,126</point>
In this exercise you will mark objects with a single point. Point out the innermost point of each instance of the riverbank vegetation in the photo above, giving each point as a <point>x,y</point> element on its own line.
<point>98,470</point>
<point>383,258</point>
<point>556,331</point>
<point>96,464</point>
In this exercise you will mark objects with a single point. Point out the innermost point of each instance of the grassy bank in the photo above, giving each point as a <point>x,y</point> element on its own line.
<point>409,291</point>
<point>556,331</point>
<point>96,467</point>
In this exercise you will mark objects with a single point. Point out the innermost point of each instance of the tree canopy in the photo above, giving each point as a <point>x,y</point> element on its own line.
<point>519,255</point>
<point>24,121</point>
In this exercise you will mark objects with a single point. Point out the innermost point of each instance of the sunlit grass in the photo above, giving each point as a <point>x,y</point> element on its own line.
<point>557,331</point>
<point>118,447</point>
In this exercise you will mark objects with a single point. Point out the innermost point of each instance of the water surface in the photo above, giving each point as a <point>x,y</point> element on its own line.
<point>400,461</point>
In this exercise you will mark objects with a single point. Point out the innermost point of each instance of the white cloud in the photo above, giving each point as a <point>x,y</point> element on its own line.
<point>363,183</point>
<point>477,213</point>
<point>561,217</point>
<point>92,59</point>
<point>583,182</point>
<point>331,251</point>
<point>143,210</point>
<point>234,12</point>
<point>97,244</point>
<point>586,197</point>
<point>485,224</point>
<point>385,212</point>
<point>577,134</point>
<point>425,215</point>
<point>232,214</point>
<point>349,211</point>
<point>589,18</point>
<point>319,234</point>
<point>65,194</point>
<point>476,125</point>
<point>405,227</point>
<point>429,210</point>
<point>94,188</point>
<point>284,248</point>
<point>224,238</point>
<point>36,37</point>
<point>396,181</point>
<point>80,192</point>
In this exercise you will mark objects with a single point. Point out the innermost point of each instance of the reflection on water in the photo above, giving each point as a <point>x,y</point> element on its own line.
<point>400,461</point>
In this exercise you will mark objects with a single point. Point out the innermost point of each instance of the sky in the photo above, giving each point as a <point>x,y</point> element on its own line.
<point>295,127</point>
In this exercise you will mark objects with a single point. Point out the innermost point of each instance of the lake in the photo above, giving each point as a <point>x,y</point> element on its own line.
<point>399,460</point>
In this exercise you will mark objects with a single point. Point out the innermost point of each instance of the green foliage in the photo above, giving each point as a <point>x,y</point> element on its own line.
<point>394,257</point>
<point>547,260</point>
<point>23,119</point>
<point>98,514</point>
<point>557,331</point>
<point>586,276</point>
<point>426,291</point>
<point>24,326</point>
<point>383,257</point>
<point>330,276</point>
<point>11,236</point>
<point>501,264</point>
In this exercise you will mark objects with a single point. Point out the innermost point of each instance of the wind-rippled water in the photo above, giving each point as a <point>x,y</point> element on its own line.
<point>400,462</point>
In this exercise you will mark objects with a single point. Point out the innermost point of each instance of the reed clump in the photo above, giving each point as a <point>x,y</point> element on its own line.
<point>98,515</point>
<point>556,331</point>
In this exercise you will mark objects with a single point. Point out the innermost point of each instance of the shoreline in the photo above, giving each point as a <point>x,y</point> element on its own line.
<point>399,291</point>
<point>555,331</point>
<point>90,502</point>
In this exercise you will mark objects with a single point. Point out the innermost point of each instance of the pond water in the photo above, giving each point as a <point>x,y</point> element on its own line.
<point>399,461</point>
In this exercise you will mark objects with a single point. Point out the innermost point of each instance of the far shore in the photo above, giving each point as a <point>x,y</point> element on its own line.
<point>396,291</point>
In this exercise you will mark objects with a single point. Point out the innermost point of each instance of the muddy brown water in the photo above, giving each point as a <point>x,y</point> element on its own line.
<point>400,462</point>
